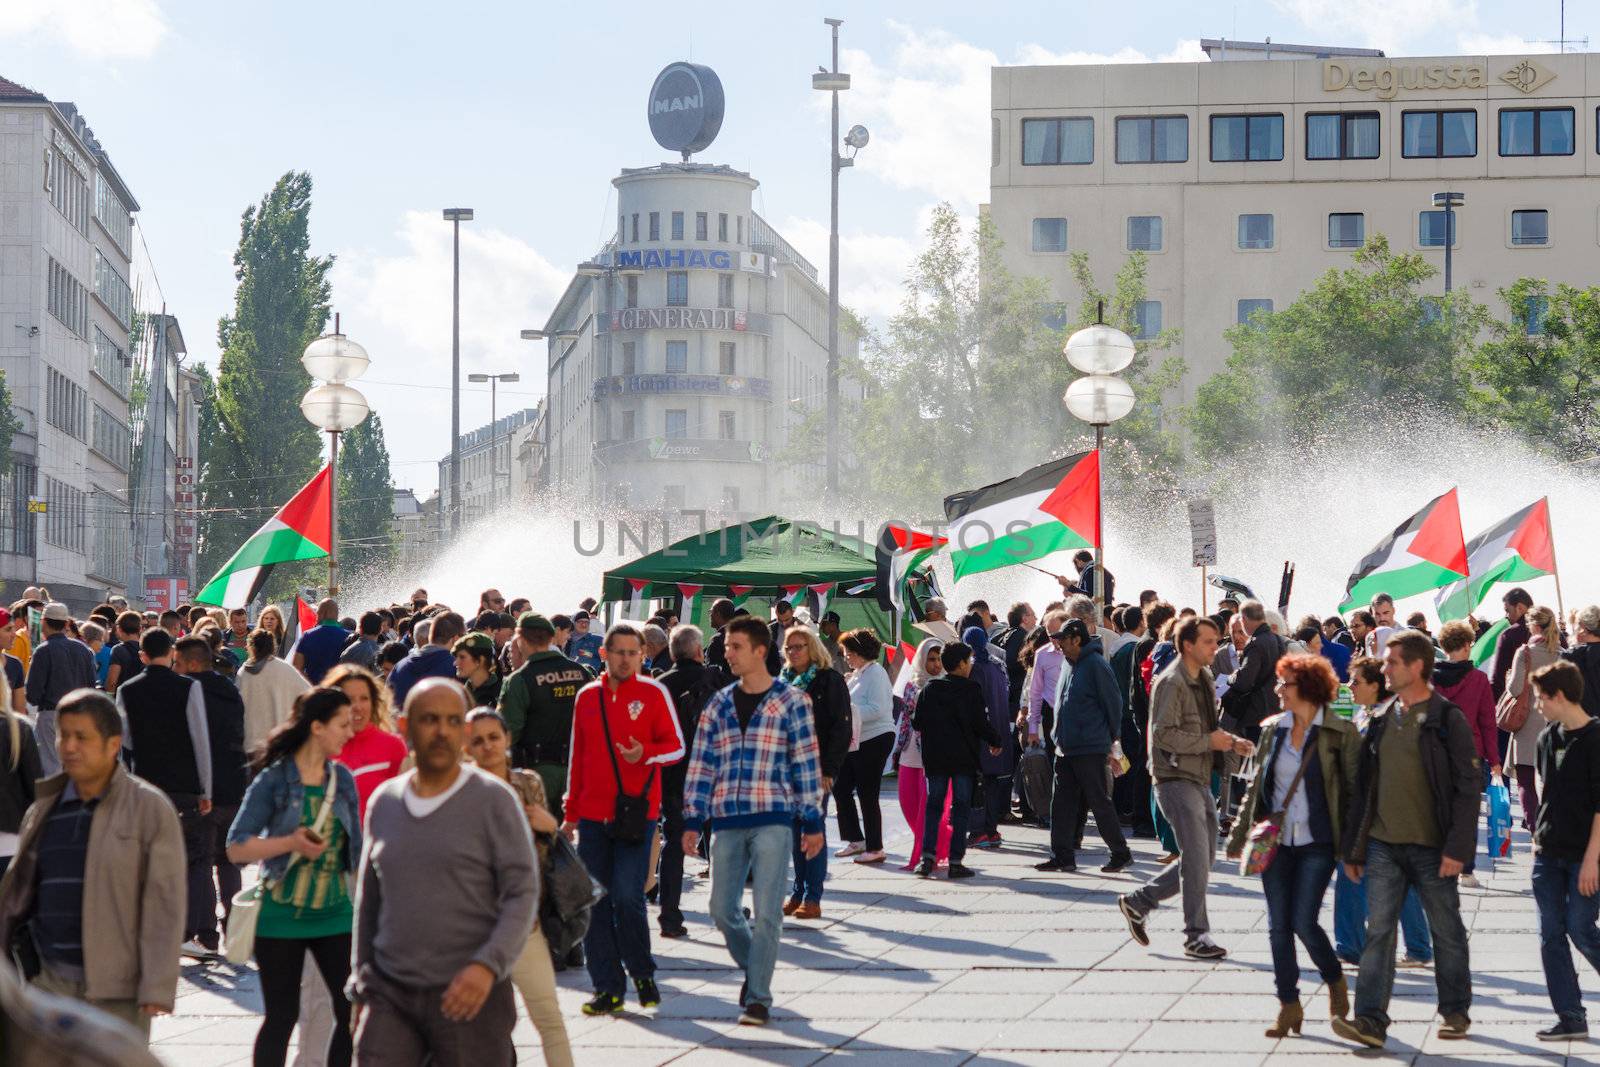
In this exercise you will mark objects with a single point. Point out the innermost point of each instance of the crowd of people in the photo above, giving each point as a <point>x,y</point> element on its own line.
<point>429,798</point>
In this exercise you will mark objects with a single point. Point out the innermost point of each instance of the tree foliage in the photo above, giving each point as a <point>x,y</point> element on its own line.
<point>366,497</point>
<point>262,449</point>
<point>9,425</point>
<point>1539,371</point>
<point>1364,337</point>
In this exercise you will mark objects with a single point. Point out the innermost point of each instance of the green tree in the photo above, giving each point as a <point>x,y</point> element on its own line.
<point>1539,372</point>
<point>366,497</point>
<point>262,449</point>
<point>1364,338</point>
<point>9,425</point>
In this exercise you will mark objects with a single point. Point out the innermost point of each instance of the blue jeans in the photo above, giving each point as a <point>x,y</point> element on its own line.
<point>761,854</point>
<point>1295,884</point>
<point>959,786</point>
<point>619,930</point>
<point>1564,915</point>
<point>1350,921</point>
<point>811,874</point>
<point>1390,871</point>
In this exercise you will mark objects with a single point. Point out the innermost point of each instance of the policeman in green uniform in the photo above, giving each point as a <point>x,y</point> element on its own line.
<point>536,702</point>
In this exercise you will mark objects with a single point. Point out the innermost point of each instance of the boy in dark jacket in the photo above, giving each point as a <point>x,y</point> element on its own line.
<point>953,717</point>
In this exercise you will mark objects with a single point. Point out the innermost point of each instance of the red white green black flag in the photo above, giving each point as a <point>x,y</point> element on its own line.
<point>302,529</point>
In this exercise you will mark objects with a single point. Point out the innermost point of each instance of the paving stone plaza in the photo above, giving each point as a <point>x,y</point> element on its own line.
<point>1011,967</point>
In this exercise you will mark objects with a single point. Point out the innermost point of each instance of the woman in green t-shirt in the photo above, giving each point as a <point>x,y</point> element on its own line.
<point>299,821</point>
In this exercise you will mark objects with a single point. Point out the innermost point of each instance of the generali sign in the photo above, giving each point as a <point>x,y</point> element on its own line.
<point>1388,80</point>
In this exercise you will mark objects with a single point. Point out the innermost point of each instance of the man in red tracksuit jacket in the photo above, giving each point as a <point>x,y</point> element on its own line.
<point>624,731</point>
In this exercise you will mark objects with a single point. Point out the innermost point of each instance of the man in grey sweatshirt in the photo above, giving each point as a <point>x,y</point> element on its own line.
<point>445,902</point>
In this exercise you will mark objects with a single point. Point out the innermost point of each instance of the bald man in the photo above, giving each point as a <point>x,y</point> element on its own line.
<point>444,831</point>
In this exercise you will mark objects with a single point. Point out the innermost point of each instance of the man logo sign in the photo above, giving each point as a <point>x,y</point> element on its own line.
<point>685,108</point>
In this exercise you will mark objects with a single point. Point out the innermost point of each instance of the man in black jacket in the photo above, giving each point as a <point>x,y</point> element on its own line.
<point>1586,654</point>
<point>953,718</point>
<point>1252,695</point>
<point>1413,822</point>
<point>225,729</point>
<point>60,665</point>
<point>690,683</point>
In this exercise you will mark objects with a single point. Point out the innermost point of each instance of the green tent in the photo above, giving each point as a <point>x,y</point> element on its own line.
<point>757,560</point>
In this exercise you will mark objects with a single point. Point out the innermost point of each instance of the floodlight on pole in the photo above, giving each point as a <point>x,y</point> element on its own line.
<point>1449,201</point>
<point>1099,398</point>
<point>334,407</point>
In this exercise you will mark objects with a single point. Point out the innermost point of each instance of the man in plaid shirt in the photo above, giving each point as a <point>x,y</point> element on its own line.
<point>754,770</point>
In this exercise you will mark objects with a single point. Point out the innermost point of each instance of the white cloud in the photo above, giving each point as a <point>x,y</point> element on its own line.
<point>872,266</point>
<point>1381,23</point>
<point>398,307</point>
<point>927,105</point>
<point>98,29</point>
<point>1501,44</point>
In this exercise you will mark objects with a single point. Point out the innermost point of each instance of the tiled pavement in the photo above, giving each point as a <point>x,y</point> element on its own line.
<point>1012,967</point>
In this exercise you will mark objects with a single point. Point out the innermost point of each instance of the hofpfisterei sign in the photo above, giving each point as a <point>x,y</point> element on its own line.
<point>714,384</point>
<point>685,108</point>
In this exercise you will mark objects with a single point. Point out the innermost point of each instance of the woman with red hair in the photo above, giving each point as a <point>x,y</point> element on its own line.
<point>1305,771</point>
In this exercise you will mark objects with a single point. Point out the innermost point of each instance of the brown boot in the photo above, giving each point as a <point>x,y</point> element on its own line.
<point>791,906</point>
<point>808,910</point>
<point>1290,1016</point>
<point>1338,998</point>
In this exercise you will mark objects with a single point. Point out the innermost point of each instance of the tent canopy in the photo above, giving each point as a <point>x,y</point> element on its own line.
<point>766,554</point>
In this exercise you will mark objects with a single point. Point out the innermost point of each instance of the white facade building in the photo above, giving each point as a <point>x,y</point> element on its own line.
<point>498,464</point>
<point>1244,181</point>
<point>686,357</point>
<point>66,309</point>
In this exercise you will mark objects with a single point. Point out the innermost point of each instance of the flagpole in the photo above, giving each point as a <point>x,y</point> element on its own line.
<point>1099,536</point>
<point>333,514</point>
<point>1555,570</point>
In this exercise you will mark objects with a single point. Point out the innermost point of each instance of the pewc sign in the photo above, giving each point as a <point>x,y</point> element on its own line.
<point>685,108</point>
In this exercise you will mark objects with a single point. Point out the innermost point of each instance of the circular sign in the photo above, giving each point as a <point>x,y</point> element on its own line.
<point>685,108</point>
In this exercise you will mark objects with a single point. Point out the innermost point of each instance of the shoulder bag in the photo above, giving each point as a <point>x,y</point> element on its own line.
<point>630,821</point>
<point>1511,714</point>
<point>1267,835</point>
<point>247,902</point>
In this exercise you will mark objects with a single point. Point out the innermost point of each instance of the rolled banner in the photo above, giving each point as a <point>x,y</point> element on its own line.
<point>636,591</point>
<point>691,598</point>
<point>823,590</point>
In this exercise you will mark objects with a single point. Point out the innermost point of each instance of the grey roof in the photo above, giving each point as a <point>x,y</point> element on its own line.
<point>1296,51</point>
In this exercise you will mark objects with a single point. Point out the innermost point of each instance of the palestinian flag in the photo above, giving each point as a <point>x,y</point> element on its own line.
<point>861,587</point>
<point>740,593</point>
<point>1515,549</point>
<point>1051,508</point>
<point>302,529</point>
<point>901,550</point>
<point>1483,647</point>
<point>1425,552</point>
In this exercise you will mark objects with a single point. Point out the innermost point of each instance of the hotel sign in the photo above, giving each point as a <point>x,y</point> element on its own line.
<point>1388,80</point>
<point>678,318</point>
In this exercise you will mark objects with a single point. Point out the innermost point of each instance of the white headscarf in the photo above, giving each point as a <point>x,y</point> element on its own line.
<point>918,674</point>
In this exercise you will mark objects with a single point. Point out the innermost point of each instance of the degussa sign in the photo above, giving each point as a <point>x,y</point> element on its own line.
<point>1388,80</point>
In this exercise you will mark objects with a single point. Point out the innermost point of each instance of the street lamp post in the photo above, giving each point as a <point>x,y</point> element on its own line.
<point>835,82</point>
<point>1099,398</point>
<point>455,216</point>
<point>334,407</point>
<point>494,381</point>
<point>1449,201</point>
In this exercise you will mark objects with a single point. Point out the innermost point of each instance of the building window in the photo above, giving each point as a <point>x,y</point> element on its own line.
<point>677,225</point>
<point>1347,229</point>
<point>677,357</point>
<point>622,227</point>
<point>724,290</point>
<point>635,227</point>
<point>68,189</point>
<point>113,214</point>
<point>1144,233</point>
<point>630,358</point>
<point>1146,319</point>
<point>722,226</point>
<point>1432,310</point>
<point>655,225</point>
<point>1439,134</point>
<point>677,424</point>
<point>1055,317</point>
<point>1531,227</point>
<point>66,405</point>
<point>111,437</point>
<point>1431,227</point>
<point>1049,142</point>
<point>16,522</point>
<point>629,431</point>
<point>1255,231</point>
<point>1049,235</point>
<point>1246,138</point>
<point>1534,314</point>
<point>1163,139</point>
<point>630,290</point>
<point>66,299</point>
<point>1248,308</point>
<point>112,289</point>
<point>1536,131</point>
<point>1344,135</point>
<point>738,221</point>
<point>727,358</point>
<point>677,288</point>
<point>66,515</point>
<point>702,226</point>
<point>725,426</point>
<point>111,363</point>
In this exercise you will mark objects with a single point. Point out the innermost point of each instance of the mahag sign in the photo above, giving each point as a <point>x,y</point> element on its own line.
<point>674,259</point>
<point>685,108</point>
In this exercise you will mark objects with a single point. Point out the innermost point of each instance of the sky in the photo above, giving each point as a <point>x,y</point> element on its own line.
<point>525,111</point>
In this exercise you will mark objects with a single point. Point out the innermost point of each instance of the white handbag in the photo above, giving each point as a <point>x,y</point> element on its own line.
<point>246,912</point>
